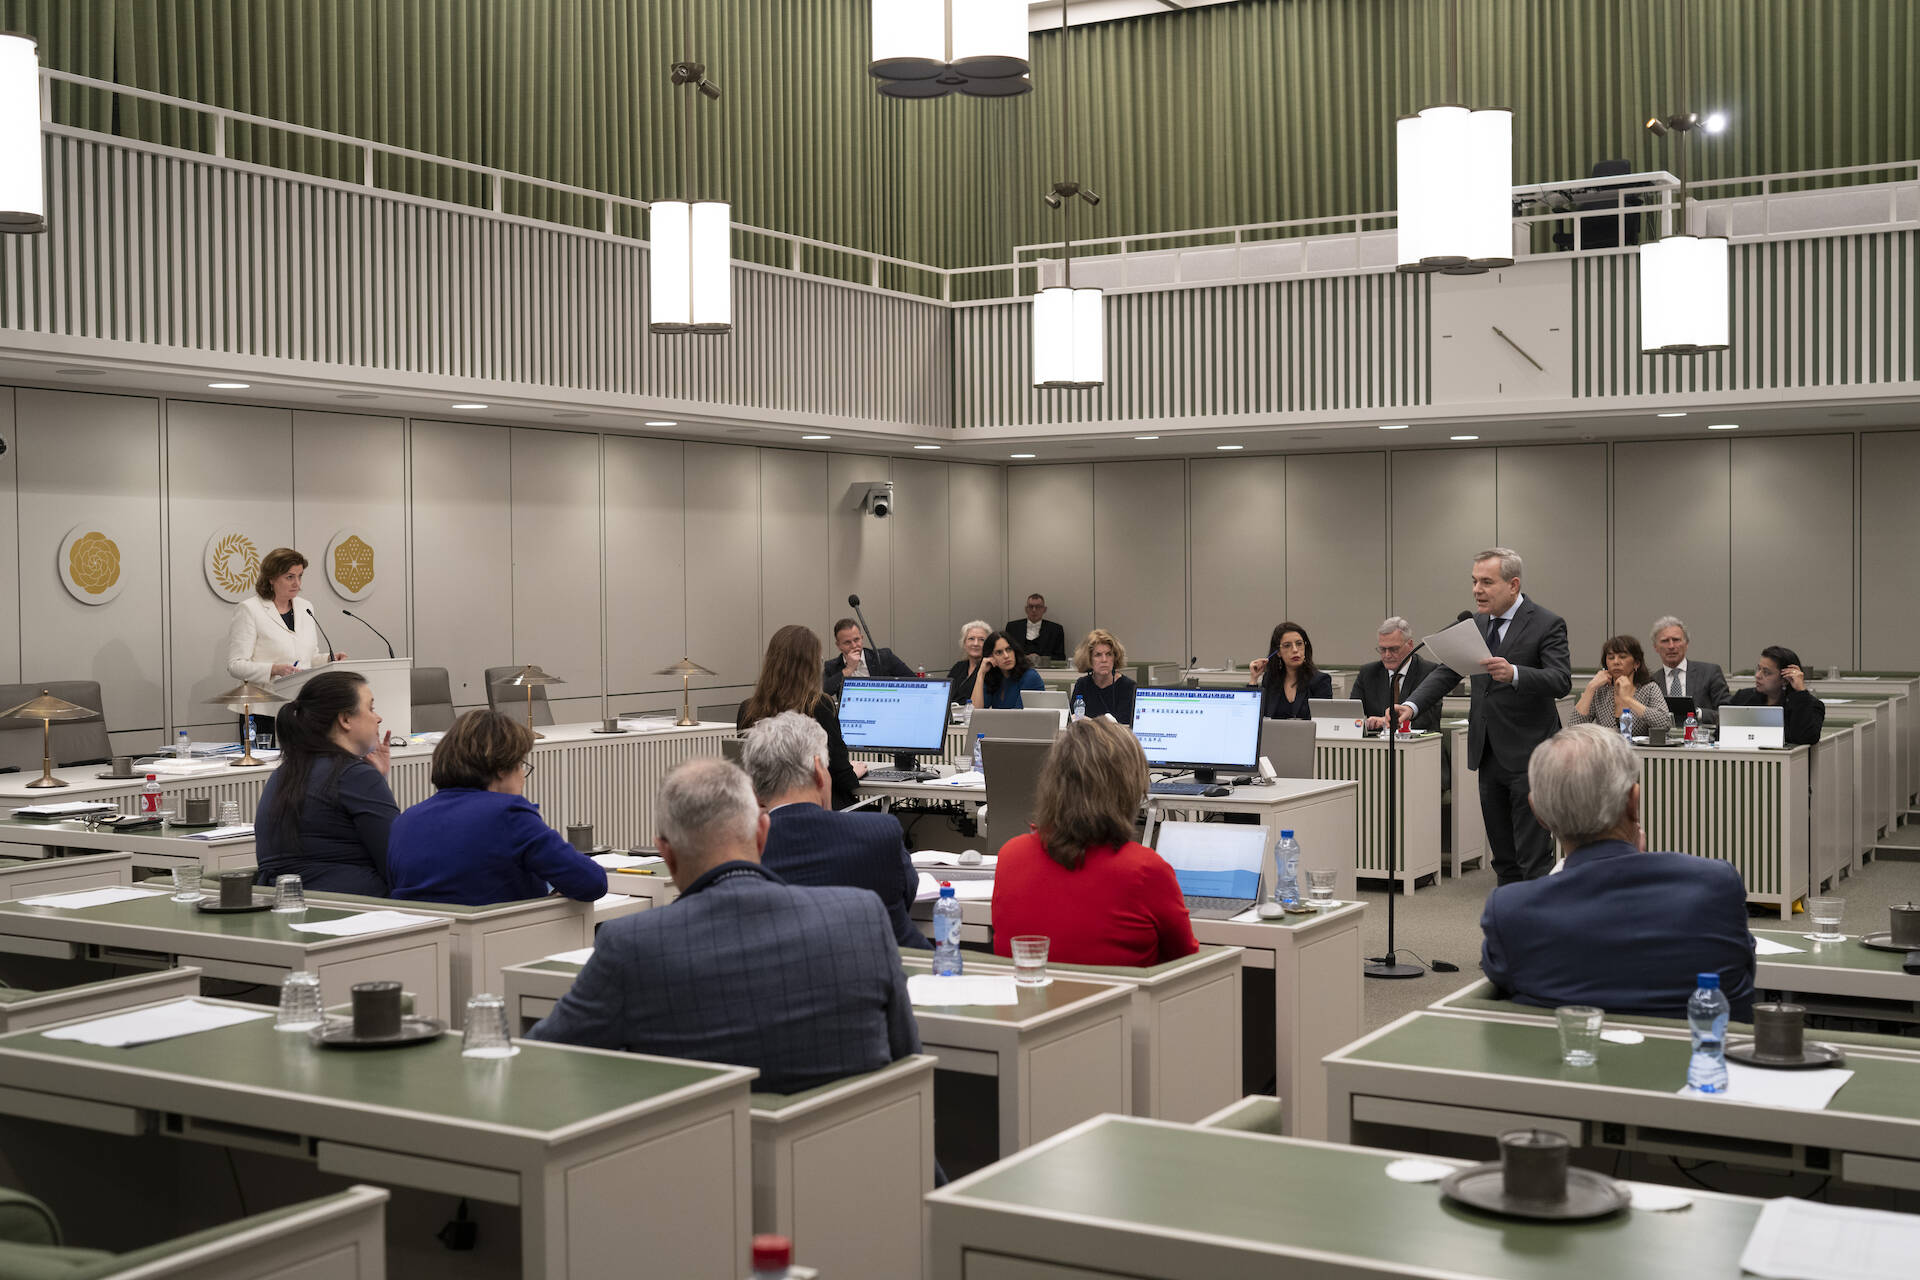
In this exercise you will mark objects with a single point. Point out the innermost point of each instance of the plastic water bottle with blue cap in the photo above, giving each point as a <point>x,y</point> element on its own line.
<point>946,933</point>
<point>1286,857</point>
<point>1707,1013</point>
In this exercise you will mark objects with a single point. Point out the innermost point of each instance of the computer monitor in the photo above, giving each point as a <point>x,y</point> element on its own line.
<point>1199,729</point>
<point>1680,708</point>
<point>905,717</point>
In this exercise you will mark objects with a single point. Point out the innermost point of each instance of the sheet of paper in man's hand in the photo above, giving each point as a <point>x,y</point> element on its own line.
<point>1462,646</point>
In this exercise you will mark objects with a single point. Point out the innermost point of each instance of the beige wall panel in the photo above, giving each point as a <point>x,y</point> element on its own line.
<point>1239,555</point>
<point>229,470</point>
<point>859,547</point>
<point>1671,542</point>
<point>1443,512</point>
<point>350,472</point>
<point>793,542</point>
<point>1050,544</point>
<point>977,551</point>
<point>1140,559</point>
<point>1337,553</point>
<point>556,556</point>
<point>9,564</point>
<point>1889,550</point>
<point>1553,511</point>
<point>922,530</point>
<point>92,459</point>
<point>646,552</point>
<point>1793,548</point>
<point>724,630</point>
<point>462,552</point>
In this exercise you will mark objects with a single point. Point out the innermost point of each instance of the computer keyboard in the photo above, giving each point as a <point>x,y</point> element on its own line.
<point>1217,908</point>
<point>896,775</point>
<point>1175,788</point>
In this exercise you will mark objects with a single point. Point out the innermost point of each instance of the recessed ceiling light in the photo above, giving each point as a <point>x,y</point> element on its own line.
<point>1146,437</point>
<point>1677,414</point>
<point>926,446</point>
<point>1021,455</point>
<point>816,437</point>
<point>358,395</point>
<point>470,405</point>
<point>1229,448</point>
<point>661,422</point>
<point>1463,437</point>
<point>1397,426</point>
<point>1723,426</point>
<point>80,373</point>
<point>229,386</point>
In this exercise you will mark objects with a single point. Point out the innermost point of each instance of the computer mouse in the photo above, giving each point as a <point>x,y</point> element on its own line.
<point>970,857</point>
<point>1218,791</point>
<point>1271,910</point>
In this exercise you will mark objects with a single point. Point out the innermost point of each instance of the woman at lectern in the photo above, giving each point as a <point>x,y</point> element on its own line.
<point>327,811</point>
<point>274,634</point>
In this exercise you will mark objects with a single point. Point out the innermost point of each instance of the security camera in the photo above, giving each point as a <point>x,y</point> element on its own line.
<point>878,502</point>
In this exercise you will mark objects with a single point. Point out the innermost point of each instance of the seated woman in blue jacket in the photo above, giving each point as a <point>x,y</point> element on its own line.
<point>1006,672</point>
<point>478,840</point>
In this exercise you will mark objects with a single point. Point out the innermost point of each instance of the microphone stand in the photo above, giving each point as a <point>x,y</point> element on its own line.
<point>1389,965</point>
<point>369,626</point>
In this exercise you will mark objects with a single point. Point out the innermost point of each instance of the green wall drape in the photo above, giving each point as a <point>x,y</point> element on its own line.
<point>1255,111</point>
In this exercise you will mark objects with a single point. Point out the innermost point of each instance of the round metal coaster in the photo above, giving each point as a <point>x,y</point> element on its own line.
<point>338,1034</point>
<point>1812,1056</point>
<point>212,907</point>
<point>1589,1195</point>
<point>1883,941</point>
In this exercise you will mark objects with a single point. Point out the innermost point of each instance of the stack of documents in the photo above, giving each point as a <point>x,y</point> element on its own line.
<point>80,899</point>
<point>985,988</point>
<point>159,1022</point>
<point>363,922</point>
<point>175,768</point>
<point>71,809</point>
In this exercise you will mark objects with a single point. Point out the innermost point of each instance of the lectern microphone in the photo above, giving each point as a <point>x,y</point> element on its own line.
<point>369,626</point>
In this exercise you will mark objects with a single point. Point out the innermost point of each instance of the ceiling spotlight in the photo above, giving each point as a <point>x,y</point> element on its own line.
<point>1463,437</point>
<point>474,405</point>
<point>1229,448</point>
<point>1397,426</point>
<point>1053,201</point>
<point>1678,413</point>
<point>1716,122</point>
<point>1020,455</point>
<point>661,422</point>
<point>1146,437</point>
<point>229,386</point>
<point>816,437</point>
<point>1724,426</point>
<point>926,446</point>
<point>1657,127</point>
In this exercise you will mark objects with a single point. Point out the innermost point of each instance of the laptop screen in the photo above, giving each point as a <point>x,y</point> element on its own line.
<point>1213,859</point>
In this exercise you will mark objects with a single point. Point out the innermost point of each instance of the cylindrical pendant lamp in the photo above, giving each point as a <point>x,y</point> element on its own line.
<point>1069,338</point>
<point>691,266</point>
<point>1684,295</point>
<point>23,194</point>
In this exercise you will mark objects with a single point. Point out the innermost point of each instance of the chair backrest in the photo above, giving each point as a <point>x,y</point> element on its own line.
<point>718,713</point>
<point>733,750</point>
<point>1163,675</point>
<point>1029,725</point>
<point>432,700</point>
<point>1044,699</point>
<point>512,699</point>
<point>1288,746</point>
<point>1013,782</point>
<point>73,741</point>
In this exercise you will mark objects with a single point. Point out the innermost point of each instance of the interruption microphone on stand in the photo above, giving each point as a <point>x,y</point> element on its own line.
<point>853,602</point>
<point>369,626</point>
<point>323,633</point>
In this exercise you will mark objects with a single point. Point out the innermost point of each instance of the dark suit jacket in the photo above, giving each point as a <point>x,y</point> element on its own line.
<point>881,665</point>
<point>1624,930</point>
<point>1274,704</point>
<point>803,983</point>
<point>810,845</point>
<point>1706,685</point>
<point>1374,687</point>
<point>1508,721</point>
<point>1806,714</point>
<point>1051,644</point>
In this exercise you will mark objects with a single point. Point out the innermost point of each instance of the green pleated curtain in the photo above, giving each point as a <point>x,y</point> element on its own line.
<point>1253,111</point>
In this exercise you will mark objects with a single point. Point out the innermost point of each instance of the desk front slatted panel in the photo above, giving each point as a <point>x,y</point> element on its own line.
<point>1734,809</point>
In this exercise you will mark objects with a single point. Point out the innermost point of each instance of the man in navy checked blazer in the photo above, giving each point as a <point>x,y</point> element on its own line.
<point>743,968</point>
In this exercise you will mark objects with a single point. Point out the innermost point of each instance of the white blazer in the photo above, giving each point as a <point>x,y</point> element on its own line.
<point>257,638</point>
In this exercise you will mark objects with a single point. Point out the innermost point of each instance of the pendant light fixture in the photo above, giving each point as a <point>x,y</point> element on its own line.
<point>23,194</point>
<point>690,240</point>
<point>1684,279</point>
<point>1069,324</point>
<point>931,48</point>
<point>1455,180</point>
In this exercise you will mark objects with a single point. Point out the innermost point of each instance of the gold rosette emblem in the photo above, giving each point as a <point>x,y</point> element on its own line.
<point>235,564</point>
<point>353,564</point>
<point>94,563</point>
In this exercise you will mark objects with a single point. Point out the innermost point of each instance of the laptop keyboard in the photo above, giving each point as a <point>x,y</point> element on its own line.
<point>895,775</point>
<point>1219,907</point>
<point>1180,788</point>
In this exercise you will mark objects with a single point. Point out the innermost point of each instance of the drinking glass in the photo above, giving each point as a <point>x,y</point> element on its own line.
<point>289,894</point>
<point>1825,914</point>
<point>186,882</point>
<point>1320,888</point>
<point>1579,1034</point>
<point>229,813</point>
<point>486,1029</point>
<point>1030,961</point>
<point>299,1003</point>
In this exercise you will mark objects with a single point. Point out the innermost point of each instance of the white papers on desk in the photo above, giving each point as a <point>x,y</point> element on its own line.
<point>1836,702</point>
<point>934,858</point>
<point>237,831</point>
<point>984,988</point>
<point>615,861</point>
<point>969,778</point>
<point>161,1022</point>
<point>362,922</point>
<point>1768,947</point>
<point>646,724</point>
<point>1800,1090</point>
<point>188,768</point>
<point>82,898</point>
<point>581,956</point>
<point>963,890</point>
<point>72,809</point>
<point>429,739</point>
<point>1462,646</point>
<point>1802,1240</point>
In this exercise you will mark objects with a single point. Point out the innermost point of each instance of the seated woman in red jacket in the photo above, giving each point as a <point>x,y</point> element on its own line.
<point>1080,878</point>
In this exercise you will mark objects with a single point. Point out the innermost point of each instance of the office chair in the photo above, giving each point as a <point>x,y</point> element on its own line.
<point>1603,233</point>
<point>1288,745</point>
<point>73,742</point>
<point>1013,782</point>
<point>432,700</point>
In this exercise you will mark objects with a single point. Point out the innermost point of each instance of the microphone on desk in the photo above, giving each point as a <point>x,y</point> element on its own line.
<point>853,602</point>
<point>1463,615</point>
<point>323,633</point>
<point>369,626</point>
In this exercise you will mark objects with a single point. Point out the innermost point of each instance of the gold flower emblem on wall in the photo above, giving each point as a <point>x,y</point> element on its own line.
<point>94,563</point>
<point>235,564</point>
<point>353,564</point>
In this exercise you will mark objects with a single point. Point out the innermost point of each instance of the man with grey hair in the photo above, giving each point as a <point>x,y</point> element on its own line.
<point>803,983</point>
<point>785,757</point>
<point>1618,928</point>
<point>1684,677</point>
<point>1512,711</point>
<point>1396,674</point>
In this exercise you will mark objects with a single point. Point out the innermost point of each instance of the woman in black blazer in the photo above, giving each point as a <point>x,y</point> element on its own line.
<point>1286,686</point>
<point>1778,681</point>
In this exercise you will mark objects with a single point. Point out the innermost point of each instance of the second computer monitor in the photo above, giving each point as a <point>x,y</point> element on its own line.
<point>902,716</point>
<point>1199,729</point>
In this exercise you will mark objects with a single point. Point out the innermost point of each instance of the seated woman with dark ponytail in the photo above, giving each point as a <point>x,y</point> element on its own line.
<point>326,811</point>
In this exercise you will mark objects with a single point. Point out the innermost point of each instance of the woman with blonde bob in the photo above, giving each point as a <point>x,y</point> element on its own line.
<point>1079,877</point>
<point>1101,691</point>
<point>791,680</point>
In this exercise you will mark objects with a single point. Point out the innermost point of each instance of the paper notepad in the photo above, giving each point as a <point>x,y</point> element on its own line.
<point>970,778</point>
<point>82,898</point>
<point>363,922</point>
<point>1800,1090</point>
<point>581,956</point>
<point>71,809</point>
<point>161,1022</point>
<point>616,861</point>
<point>985,988</point>
<point>1768,947</point>
<point>1801,1240</point>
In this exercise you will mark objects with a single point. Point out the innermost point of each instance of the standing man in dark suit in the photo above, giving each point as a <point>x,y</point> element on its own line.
<point>858,661</point>
<point>805,984</point>
<point>1513,709</point>
<point>1684,677</point>
<point>1034,635</point>
<point>1618,928</point>
<point>785,757</point>
<point>1394,677</point>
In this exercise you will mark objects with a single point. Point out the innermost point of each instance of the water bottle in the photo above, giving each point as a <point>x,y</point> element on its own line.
<point>1707,1012</point>
<point>979,755</point>
<point>1079,708</point>
<point>1693,722</point>
<point>1626,726</point>
<point>183,746</point>
<point>150,796</point>
<point>1287,857</point>
<point>946,933</point>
